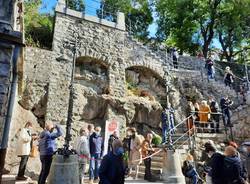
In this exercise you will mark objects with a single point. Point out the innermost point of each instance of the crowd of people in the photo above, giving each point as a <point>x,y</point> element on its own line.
<point>206,115</point>
<point>122,159</point>
<point>214,167</point>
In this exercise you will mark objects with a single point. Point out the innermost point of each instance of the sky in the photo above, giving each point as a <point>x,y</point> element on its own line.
<point>92,5</point>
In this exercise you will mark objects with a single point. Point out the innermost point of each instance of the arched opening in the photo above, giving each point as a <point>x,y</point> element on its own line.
<point>92,73</point>
<point>144,82</point>
<point>147,89</point>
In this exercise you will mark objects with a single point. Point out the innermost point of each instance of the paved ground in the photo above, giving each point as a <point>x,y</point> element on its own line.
<point>128,180</point>
<point>141,182</point>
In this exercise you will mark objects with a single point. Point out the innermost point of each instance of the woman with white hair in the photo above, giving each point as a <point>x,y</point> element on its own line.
<point>228,77</point>
<point>204,114</point>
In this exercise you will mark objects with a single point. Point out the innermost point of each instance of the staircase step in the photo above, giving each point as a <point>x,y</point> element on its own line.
<point>153,170</point>
<point>11,179</point>
<point>157,159</point>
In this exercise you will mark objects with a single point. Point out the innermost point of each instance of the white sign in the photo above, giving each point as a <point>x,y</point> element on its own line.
<point>110,127</point>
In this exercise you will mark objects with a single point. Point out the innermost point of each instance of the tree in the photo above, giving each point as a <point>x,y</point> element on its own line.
<point>138,15</point>
<point>38,27</point>
<point>175,24</point>
<point>206,15</point>
<point>77,5</point>
<point>187,22</point>
<point>233,29</point>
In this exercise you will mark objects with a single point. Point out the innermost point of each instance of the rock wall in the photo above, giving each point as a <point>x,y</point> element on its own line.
<point>20,117</point>
<point>103,56</point>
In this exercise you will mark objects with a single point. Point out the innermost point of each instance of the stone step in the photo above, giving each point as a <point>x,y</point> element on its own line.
<point>11,179</point>
<point>157,159</point>
<point>140,181</point>
<point>154,170</point>
<point>154,164</point>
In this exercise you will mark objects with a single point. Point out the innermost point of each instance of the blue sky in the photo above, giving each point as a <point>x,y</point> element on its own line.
<point>92,5</point>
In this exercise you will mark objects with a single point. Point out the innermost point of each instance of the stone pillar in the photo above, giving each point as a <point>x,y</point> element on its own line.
<point>5,73</point>
<point>120,24</point>
<point>6,51</point>
<point>172,173</point>
<point>8,40</point>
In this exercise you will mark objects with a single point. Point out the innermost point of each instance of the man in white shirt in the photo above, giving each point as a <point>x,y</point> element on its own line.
<point>82,148</point>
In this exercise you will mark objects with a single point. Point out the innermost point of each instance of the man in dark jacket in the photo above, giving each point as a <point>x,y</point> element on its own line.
<point>216,164</point>
<point>112,170</point>
<point>215,115</point>
<point>247,159</point>
<point>96,150</point>
<point>225,104</point>
<point>232,167</point>
<point>47,147</point>
<point>112,137</point>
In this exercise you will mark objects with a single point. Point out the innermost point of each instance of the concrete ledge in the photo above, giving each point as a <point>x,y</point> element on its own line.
<point>120,24</point>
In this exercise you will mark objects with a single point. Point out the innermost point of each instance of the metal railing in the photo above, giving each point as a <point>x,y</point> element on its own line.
<point>98,9</point>
<point>191,133</point>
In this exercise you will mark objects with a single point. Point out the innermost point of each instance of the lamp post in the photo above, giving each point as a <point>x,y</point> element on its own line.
<point>73,46</point>
<point>246,69</point>
<point>64,168</point>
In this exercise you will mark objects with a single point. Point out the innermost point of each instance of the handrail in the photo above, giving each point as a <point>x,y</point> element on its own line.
<point>233,74</point>
<point>218,113</point>
<point>185,141</point>
<point>183,135</point>
<point>187,133</point>
<point>169,132</point>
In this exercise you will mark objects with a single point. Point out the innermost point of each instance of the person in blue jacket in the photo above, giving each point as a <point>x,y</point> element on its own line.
<point>96,145</point>
<point>47,147</point>
<point>112,169</point>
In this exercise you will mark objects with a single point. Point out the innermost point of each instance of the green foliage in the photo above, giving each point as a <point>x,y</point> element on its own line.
<point>38,27</point>
<point>157,140</point>
<point>131,86</point>
<point>188,24</point>
<point>233,28</point>
<point>125,156</point>
<point>77,5</point>
<point>138,15</point>
<point>176,25</point>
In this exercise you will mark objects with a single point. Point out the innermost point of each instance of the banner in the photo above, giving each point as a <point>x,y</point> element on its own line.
<point>110,127</point>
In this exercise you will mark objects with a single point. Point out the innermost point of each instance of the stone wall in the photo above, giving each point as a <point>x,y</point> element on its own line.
<point>104,55</point>
<point>5,76</point>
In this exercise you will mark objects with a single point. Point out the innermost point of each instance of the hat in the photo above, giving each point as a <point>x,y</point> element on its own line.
<point>227,68</point>
<point>246,143</point>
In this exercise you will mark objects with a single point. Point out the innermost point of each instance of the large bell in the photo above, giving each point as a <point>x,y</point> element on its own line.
<point>172,173</point>
<point>64,170</point>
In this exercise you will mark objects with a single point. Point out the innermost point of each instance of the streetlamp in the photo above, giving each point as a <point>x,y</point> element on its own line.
<point>64,168</point>
<point>246,69</point>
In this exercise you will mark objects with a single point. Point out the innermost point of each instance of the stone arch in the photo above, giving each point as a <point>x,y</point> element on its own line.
<point>145,82</point>
<point>92,74</point>
<point>155,67</point>
<point>91,53</point>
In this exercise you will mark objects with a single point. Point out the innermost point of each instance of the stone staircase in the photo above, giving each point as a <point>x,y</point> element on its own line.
<point>159,56</point>
<point>156,165</point>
